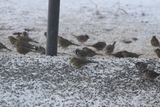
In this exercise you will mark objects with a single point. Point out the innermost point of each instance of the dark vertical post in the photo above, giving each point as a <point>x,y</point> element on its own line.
<point>53,24</point>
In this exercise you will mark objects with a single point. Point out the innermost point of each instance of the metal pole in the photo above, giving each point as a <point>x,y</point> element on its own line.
<point>53,24</point>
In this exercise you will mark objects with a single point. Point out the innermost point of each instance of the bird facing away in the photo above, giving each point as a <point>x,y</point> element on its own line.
<point>90,52</point>
<point>154,42</point>
<point>110,48</point>
<point>80,53</point>
<point>141,66</point>
<point>3,47</point>
<point>40,49</point>
<point>99,45</point>
<point>25,38</point>
<point>22,49</point>
<point>157,51</point>
<point>130,54</point>
<point>80,62</point>
<point>151,74</point>
<point>64,43</point>
<point>82,38</point>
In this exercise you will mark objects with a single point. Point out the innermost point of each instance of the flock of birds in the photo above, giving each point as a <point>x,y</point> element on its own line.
<point>22,44</point>
<point>82,54</point>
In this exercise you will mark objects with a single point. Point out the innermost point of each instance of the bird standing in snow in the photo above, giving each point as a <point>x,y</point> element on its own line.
<point>110,48</point>
<point>99,45</point>
<point>64,43</point>
<point>82,38</point>
<point>154,42</point>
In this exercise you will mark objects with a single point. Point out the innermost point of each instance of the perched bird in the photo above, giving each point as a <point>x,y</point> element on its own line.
<point>80,53</point>
<point>130,54</point>
<point>64,43</point>
<point>151,74</point>
<point>154,42</point>
<point>80,62</point>
<point>82,38</point>
<point>141,66</point>
<point>99,45</point>
<point>25,38</point>
<point>25,44</point>
<point>40,49</point>
<point>157,51</point>
<point>3,47</point>
<point>110,48</point>
<point>90,52</point>
<point>22,49</point>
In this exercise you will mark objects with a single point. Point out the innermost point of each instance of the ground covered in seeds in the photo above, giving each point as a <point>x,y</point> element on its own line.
<point>53,81</point>
<point>39,80</point>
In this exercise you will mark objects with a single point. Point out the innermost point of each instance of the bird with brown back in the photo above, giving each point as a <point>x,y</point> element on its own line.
<point>25,38</point>
<point>90,52</point>
<point>154,42</point>
<point>22,49</point>
<point>80,62</point>
<point>151,74</point>
<point>64,43</point>
<point>82,38</point>
<point>98,46</point>
<point>157,51</point>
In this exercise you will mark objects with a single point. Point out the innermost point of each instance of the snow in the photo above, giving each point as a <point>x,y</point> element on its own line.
<point>45,81</point>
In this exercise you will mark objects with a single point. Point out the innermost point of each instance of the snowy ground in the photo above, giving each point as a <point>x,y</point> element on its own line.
<point>39,80</point>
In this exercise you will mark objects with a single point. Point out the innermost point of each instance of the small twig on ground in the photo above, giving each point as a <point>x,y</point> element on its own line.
<point>97,11</point>
<point>119,8</point>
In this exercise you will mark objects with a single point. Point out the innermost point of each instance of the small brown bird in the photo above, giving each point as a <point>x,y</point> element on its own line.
<point>118,54</point>
<point>99,45</point>
<point>3,47</point>
<point>110,48</point>
<point>25,44</point>
<point>22,49</point>
<point>64,43</point>
<point>90,52</point>
<point>25,38</point>
<point>80,53</point>
<point>40,49</point>
<point>130,54</point>
<point>157,51</point>
<point>151,74</point>
<point>80,62</point>
<point>154,42</point>
<point>82,38</point>
<point>141,66</point>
